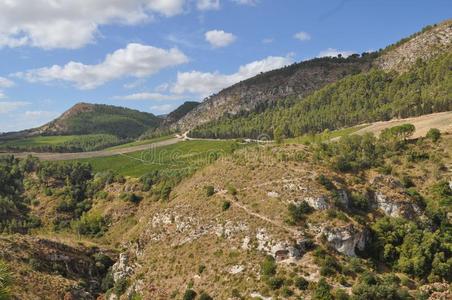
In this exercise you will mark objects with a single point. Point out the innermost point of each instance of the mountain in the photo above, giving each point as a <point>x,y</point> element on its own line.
<point>85,118</point>
<point>300,80</point>
<point>297,80</point>
<point>410,78</point>
<point>180,112</point>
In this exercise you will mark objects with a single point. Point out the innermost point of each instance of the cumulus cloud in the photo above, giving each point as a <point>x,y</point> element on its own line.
<point>149,96</point>
<point>331,52</point>
<point>72,24</point>
<point>219,38</point>
<point>208,4</point>
<point>302,36</point>
<point>9,106</point>
<point>204,84</point>
<point>267,40</point>
<point>5,82</point>
<point>135,60</point>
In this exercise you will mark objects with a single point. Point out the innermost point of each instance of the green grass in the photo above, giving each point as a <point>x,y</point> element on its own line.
<point>143,142</point>
<point>328,135</point>
<point>185,157</point>
<point>38,141</point>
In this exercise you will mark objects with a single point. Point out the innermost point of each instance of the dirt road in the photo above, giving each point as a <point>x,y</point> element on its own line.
<point>101,153</point>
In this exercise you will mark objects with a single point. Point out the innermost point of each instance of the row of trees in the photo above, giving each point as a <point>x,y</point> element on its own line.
<point>366,97</point>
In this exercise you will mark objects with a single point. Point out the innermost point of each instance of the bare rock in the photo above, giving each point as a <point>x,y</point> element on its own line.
<point>346,239</point>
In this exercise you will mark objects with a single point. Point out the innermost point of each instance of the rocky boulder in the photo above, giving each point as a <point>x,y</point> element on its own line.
<point>391,198</point>
<point>346,239</point>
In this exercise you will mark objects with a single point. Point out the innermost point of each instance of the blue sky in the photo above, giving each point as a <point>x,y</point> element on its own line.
<point>153,55</point>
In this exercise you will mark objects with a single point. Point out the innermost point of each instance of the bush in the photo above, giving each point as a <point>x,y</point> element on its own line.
<point>189,295</point>
<point>275,283</point>
<point>91,224</point>
<point>297,212</point>
<point>205,296</point>
<point>210,190</point>
<point>131,197</point>
<point>322,291</point>
<point>301,283</point>
<point>268,266</point>
<point>328,184</point>
<point>5,281</point>
<point>226,205</point>
<point>120,286</point>
<point>433,134</point>
<point>232,190</point>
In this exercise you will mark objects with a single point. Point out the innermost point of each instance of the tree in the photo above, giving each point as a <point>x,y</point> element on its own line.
<point>434,134</point>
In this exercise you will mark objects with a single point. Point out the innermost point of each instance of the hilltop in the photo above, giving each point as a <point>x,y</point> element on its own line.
<point>85,118</point>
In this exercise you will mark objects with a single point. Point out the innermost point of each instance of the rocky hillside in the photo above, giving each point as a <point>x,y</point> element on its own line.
<point>300,80</point>
<point>360,217</point>
<point>259,92</point>
<point>424,45</point>
<point>85,118</point>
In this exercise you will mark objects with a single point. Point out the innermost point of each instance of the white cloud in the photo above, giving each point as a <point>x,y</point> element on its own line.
<point>331,52</point>
<point>5,82</point>
<point>72,24</point>
<point>40,114</point>
<point>208,4</point>
<point>162,109</point>
<point>9,106</point>
<point>204,84</point>
<point>135,60</point>
<point>219,38</point>
<point>302,36</point>
<point>149,96</point>
<point>246,2</point>
<point>267,41</point>
<point>2,95</point>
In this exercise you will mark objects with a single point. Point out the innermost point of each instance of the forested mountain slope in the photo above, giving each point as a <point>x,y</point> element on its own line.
<point>373,96</point>
<point>300,80</point>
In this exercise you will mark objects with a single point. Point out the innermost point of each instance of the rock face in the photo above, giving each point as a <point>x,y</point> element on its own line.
<point>297,80</point>
<point>391,198</point>
<point>346,239</point>
<point>319,203</point>
<point>422,46</point>
<point>122,269</point>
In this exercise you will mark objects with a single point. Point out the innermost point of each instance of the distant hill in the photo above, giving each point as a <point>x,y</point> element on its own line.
<point>300,80</point>
<point>180,112</point>
<point>85,118</point>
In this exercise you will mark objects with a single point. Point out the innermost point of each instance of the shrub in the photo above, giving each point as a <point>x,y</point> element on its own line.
<point>91,224</point>
<point>268,266</point>
<point>301,283</point>
<point>131,197</point>
<point>434,134</point>
<point>340,294</point>
<point>120,286</point>
<point>5,281</point>
<point>210,190</point>
<point>298,211</point>
<point>165,193</point>
<point>328,184</point>
<point>189,295</point>
<point>226,205</point>
<point>232,190</point>
<point>322,291</point>
<point>205,296</point>
<point>275,283</point>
